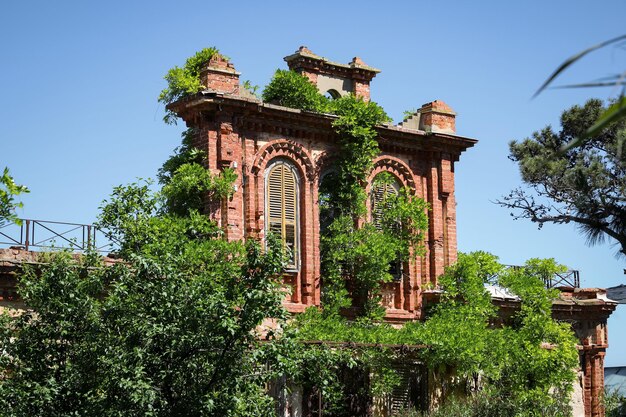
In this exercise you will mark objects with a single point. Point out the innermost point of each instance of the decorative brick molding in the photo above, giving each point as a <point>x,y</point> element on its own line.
<point>387,163</point>
<point>287,148</point>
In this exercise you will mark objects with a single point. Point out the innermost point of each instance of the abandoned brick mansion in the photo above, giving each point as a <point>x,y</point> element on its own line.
<point>280,156</point>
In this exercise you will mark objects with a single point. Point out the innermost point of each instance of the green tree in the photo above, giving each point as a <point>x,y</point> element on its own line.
<point>169,330</point>
<point>526,362</point>
<point>585,185</point>
<point>9,190</point>
<point>290,89</point>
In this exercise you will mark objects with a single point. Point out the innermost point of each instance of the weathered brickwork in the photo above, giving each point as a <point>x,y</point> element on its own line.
<point>247,135</point>
<point>421,153</point>
<point>588,310</point>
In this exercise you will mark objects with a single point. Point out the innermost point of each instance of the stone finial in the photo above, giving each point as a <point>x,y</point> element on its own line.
<point>437,117</point>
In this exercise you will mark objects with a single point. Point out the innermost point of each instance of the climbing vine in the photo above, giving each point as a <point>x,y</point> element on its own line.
<point>527,360</point>
<point>354,252</point>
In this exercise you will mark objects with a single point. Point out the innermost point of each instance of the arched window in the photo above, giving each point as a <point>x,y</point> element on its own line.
<point>383,186</point>
<point>281,207</point>
<point>332,94</point>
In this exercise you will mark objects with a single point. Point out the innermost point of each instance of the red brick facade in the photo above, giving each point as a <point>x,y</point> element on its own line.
<point>588,310</point>
<point>247,135</point>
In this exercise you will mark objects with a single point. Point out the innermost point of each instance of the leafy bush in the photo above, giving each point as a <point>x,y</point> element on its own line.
<point>489,404</point>
<point>8,191</point>
<point>614,403</point>
<point>184,81</point>
<point>290,89</point>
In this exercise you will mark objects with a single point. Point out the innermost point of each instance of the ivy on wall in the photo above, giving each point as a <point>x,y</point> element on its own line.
<point>512,359</point>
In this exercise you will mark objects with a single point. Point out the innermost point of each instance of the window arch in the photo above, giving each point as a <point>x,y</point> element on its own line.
<point>282,207</point>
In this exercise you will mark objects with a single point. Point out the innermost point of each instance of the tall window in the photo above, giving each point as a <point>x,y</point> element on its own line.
<point>381,189</point>
<point>281,207</point>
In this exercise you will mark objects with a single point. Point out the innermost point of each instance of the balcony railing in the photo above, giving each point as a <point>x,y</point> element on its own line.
<point>569,278</point>
<point>38,234</point>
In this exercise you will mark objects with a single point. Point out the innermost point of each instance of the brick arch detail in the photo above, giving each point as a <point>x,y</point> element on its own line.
<point>323,161</point>
<point>394,166</point>
<point>289,149</point>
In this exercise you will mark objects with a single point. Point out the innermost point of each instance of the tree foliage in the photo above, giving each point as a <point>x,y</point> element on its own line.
<point>290,89</point>
<point>184,81</point>
<point>528,359</point>
<point>585,185</point>
<point>525,363</point>
<point>170,330</point>
<point>9,190</point>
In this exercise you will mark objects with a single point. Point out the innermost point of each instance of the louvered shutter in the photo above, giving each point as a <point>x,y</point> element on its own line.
<point>380,191</point>
<point>412,390</point>
<point>282,207</point>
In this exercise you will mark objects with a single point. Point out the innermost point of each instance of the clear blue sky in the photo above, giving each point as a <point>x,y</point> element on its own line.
<point>80,81</point>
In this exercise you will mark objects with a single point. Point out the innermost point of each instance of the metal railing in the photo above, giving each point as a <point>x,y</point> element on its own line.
<point>566,279</point>
<point>569,278</point>
<point>36,234</point>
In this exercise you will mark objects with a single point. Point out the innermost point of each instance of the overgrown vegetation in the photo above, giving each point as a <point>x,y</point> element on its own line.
<point>614,403</point>
<point>184,81</point>
<point>489,404</point>
<point>174,328</point>
<point>9,190</point>
<point>291,89</point>
<point>528,360</point>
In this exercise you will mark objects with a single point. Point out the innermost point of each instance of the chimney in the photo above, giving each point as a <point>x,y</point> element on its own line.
<point>219,75</point>
<point>437,117</point>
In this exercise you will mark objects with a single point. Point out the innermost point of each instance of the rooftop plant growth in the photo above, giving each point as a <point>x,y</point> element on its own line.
<point>512,359</point>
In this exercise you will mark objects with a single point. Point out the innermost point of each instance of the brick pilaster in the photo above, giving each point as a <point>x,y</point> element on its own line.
<point>435,222</point>
<point>230,156</point>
